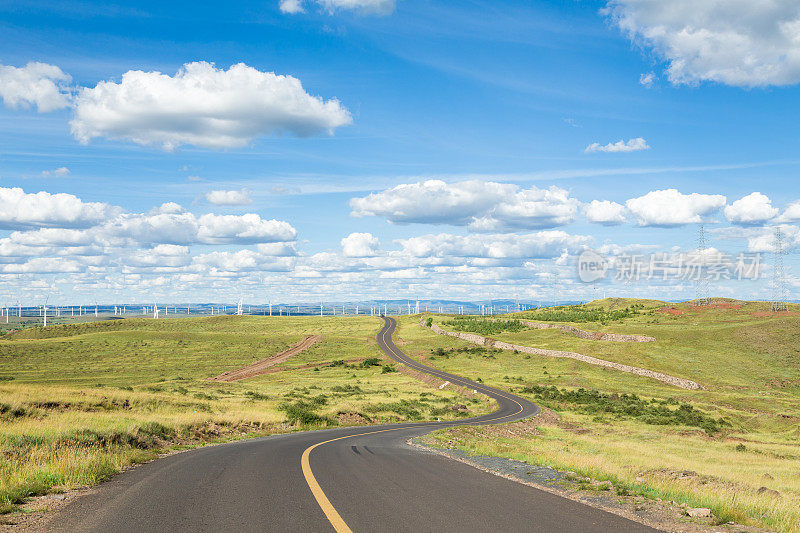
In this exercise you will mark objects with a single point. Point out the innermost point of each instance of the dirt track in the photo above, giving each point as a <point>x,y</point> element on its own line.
<point>260,367</point>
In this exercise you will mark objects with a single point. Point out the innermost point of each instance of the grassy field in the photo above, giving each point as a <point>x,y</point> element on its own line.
<point>81,401</point>
<point>744,464</point>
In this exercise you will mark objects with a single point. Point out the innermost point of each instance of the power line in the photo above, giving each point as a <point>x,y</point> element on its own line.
<point>702,286</point>
<point>780,289</point>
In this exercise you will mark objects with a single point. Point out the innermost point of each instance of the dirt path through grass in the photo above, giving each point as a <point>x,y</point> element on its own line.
<point>260,367</point>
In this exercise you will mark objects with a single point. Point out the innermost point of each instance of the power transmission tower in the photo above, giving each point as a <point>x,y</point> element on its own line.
<point>702,285</point>
<point>780,290</point>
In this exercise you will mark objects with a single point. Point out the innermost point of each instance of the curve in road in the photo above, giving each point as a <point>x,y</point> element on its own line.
<point>373,481</point>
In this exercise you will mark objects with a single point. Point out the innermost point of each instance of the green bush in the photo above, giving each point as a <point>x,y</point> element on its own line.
<point>370,361</point>
<point>655,412</point>
<point>484,327</point>
<point>204,396</point>
<point>301,412</point>
<point>9,412</point>
<point>472,350</point>
<point>409,409</point>
<point>348,389</point>
<point>341,363</point>
<point>580,313</point>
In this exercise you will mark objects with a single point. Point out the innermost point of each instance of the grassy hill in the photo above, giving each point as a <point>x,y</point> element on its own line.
<point>80,401</point>
<point>748,360</point>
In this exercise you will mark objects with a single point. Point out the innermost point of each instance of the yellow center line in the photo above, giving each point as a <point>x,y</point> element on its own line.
<point>336,520</point>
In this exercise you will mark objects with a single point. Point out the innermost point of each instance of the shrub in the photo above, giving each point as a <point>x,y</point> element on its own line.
<point>370,361</point>
<point>580,313</point>
<point>9,412</point>
<point>301,412</point>
<point>484,327</point>
<point>204,396</point>
<point>341,363</point>
<point>253,395</point>
<point>387,369</point>
<point>441,352</point>
<point>406,408</point>
<point>627,406</point>
<point>351,389</point>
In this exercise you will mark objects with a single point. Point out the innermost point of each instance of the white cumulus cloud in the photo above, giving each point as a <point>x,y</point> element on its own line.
<point>242,261</point>
<point>244,229</point>
<point>35,85</point>
<point>19,209</point>
<point>52,237</point>
<point>755,208</point>
<point>506,246</point>
<point>791,213</point>
<point>745,43</point>
<point>203,106</point>
<point>605,212</point>
<point>480,205</point>
<point>670,207</point>
<point>240,197</point>
<point>161,256</point>
<point>185,228</point>
<point>360,245</point>
<point>631,145</point>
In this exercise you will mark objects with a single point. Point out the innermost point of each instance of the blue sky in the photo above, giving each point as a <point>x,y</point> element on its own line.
<point>498,101</point>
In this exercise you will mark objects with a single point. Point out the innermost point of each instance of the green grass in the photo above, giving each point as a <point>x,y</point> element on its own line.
<point>81,401</point>
<point>625,427</point>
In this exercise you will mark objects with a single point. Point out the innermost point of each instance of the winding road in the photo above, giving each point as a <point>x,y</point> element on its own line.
<point>347,479</point>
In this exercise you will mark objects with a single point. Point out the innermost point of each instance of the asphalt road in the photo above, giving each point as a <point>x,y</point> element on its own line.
<point>348,479</point>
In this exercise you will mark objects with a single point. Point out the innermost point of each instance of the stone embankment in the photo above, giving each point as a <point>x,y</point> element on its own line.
<point>492,343</point>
